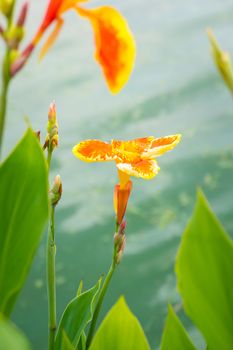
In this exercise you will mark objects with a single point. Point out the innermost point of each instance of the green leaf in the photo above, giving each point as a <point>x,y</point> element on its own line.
<point>66,343</point>
<point>175,336</point>
<point>76,316</point>
<point>24,211</point>
<point>11,338</point>
<point>120,330</point>
<point>205,273</point>
<point>82,342</point>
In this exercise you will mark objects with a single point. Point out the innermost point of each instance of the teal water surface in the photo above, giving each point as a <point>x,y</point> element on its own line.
<point>174,89</point>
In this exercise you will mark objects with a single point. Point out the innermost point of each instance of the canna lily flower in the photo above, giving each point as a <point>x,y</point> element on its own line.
<point>133,158</point>
<point>115,47</point>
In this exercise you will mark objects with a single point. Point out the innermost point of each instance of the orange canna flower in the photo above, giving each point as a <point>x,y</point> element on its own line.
<point>115,46</point>
<point>133,158</point>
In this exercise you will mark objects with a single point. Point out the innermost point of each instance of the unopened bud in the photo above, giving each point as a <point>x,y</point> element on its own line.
<point>56,191</point>
<point>52,113</point>
<point>119,242</point>
<point>6,7</point>
<point>14,36</point>
<point>222,61</point>
<point>23,14</point>
<point>52,128</point>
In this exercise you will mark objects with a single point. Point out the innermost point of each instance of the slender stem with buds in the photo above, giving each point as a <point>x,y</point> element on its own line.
<point>4,93</point>
<point>6,77</point>
<point>51,273</point>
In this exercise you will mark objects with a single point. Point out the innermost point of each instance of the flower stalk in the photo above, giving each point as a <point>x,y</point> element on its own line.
<point>119,244</point>
<point>55,196</point>
<point>51,278</point>
<point>6,77</point>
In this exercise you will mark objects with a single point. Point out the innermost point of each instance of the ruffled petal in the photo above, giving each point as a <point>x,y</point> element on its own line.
<point>146,169</point>
<point>115,46</point>
<point>161,145</point>
<point>130,151</point>
<point>93,151</point>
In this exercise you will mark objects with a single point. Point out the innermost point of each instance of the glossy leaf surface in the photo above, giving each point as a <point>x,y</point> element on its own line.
<point>24,211</point>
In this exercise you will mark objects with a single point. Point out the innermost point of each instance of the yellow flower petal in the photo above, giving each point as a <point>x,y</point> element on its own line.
<point>130,151</point>
<point>161,145</point>
<point>93,151</point>
<point>115,46</point>
<point>146,169</point>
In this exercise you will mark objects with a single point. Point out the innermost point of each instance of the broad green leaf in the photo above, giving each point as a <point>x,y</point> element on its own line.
<point>82,342</point>
<point>66,343</point>
<point>76,316</point>
<point>175,336</point>
<point>24,211</point>
<point>205,275</point>
<point>120,330</point>
<point>11,338</point>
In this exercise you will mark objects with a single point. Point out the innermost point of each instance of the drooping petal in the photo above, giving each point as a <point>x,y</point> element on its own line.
<point>93,151</point>
<point>51,39</point>
<point>161,145</point>
<point>130,151</point>
<point>115,46</point>
<point>145,169</point>
<point>121,197</point>
<point>68,4</point>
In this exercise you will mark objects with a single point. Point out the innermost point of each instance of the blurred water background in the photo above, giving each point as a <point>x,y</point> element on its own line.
<point>174,89</point>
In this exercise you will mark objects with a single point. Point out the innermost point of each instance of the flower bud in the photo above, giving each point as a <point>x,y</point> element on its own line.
<point>52,128</point>
<point>222,61</point>
<point>23,14</point>
<point>56,191</point>
<point>121,197</point>
<point>14,36</point>
<point>6,6</point>
<point>119,242</point>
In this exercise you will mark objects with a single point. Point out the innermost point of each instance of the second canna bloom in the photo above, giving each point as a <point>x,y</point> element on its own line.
<point>114,43</point>
<point>133,158</point>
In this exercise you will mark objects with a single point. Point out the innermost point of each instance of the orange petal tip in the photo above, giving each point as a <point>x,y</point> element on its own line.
<point>93,151</point>
<point>115,45</point>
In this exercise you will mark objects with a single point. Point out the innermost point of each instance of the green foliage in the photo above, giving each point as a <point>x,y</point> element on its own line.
<point>24,211</point>
<point>76,316</point>
<point>205,273</point>
<point>66,343</point>
<point>175,336</point>
<point>222,61</point>
<point>11,338</point>
<point>120,330</point>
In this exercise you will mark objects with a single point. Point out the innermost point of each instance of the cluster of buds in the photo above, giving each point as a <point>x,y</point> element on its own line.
<point>13,34</point>
<point>56,191</point>
<point>51,141</point>
<point>119,243</point>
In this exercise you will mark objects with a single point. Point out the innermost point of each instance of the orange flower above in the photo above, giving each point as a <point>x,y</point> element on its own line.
<point>115,46</point>
<point>133,158</point>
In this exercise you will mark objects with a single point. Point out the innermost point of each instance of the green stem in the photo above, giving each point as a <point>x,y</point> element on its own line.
<point>4,93</point>
<point>49,157</point>
<point>100,302</point>
<point>51,270</point>
<point>51,282</point>
<point>6,77</point>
